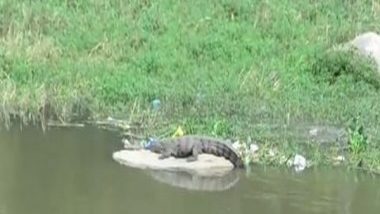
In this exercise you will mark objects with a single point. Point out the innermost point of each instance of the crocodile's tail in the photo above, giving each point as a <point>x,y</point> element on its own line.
<point>221,149</point>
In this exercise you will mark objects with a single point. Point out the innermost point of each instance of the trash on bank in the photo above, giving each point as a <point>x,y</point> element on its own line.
<point>156,104</point>
<point>253,148</point>
<point>179,132</point>
<point>271,153</point>
<point>339,159</point>
<point>299,163</point>
<point>237,145</point>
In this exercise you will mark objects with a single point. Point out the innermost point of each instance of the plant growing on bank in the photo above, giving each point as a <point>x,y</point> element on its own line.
<point>358,141</point>
<point>334,65</point>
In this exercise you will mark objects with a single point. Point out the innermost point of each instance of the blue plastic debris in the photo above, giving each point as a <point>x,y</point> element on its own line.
<point>156,104</point>
<point>150,143</point>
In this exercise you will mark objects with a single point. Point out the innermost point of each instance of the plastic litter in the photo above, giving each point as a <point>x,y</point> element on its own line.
<point>156,104</point>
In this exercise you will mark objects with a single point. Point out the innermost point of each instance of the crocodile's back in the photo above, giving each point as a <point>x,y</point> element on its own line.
<point>217,147</point>
<point>221,149</point>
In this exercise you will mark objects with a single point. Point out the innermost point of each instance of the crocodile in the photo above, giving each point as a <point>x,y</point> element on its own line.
<point>190,146</point>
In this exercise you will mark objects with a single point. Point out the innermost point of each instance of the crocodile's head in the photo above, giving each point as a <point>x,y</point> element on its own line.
<point>154,145</point>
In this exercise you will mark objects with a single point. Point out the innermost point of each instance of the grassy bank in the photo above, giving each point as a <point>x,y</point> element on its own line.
<point>220,67</point>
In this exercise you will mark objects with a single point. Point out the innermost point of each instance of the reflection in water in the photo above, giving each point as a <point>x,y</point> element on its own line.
<point>194,182</point>
<point>72,171</point>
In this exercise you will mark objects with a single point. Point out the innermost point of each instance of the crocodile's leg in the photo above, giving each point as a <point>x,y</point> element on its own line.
<point>194,155</point>
<point>164,155</point>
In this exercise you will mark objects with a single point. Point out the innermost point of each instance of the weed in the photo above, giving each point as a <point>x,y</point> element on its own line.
<point>358,141</point>
<point>330,66</point>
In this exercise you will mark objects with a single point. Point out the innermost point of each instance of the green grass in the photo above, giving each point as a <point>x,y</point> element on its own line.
<point>232,63</point>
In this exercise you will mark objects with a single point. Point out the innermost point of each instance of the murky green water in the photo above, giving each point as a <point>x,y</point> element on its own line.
<point>71,171</point>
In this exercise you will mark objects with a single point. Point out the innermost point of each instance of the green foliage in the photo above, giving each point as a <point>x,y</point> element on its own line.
<point>214,127</point>
<point>222,128</point>
<point>218,67</point>
<point>358,141</point>
<point>330,66</point>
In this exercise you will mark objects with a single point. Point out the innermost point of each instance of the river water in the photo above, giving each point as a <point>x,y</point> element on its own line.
<point>71,171</point>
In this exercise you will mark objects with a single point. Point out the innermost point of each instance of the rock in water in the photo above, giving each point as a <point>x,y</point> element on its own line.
<point>206,165</point>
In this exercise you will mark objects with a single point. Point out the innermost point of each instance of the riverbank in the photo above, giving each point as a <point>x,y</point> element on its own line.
<point>232,70</point>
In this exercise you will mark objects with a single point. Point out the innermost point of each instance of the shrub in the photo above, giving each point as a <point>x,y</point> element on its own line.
<point>330,66</point>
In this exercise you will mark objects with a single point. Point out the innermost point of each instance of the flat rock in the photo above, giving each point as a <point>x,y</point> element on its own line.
<point>206,165</point>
